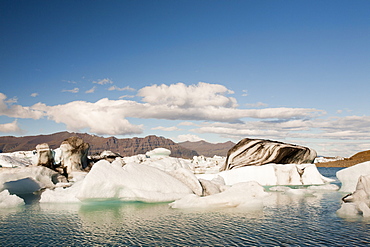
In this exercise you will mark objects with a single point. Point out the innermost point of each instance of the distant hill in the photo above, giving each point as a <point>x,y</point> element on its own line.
<point>126,146</point>
<point>208,149</point>
<point>353,160</point>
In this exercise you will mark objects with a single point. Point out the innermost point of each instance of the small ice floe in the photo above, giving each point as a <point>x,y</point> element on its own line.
<point>8,201</point>
<point>325,187</point>
<point>357,202</point>
<point>245,195</point>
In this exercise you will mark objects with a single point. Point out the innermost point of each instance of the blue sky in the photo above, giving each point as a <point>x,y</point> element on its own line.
<point>293,71</point>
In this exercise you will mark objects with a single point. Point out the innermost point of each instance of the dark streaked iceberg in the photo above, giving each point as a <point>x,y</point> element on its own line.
<point>257,152</point>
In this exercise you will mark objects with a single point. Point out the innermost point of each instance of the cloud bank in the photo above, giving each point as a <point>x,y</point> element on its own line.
<point>210,104</point>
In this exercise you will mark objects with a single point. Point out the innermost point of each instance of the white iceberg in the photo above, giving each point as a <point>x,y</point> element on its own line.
<point>61,195</point>
<point>18,159</point>
<point>7,200</point>
<point>359,199</point>
<point>349,176</point>
<point>158,152</point>
<point>245,195</point>
<point>201,164</point>
<point>272,174</point>
<point>166,163</point>
<point>132,182</point>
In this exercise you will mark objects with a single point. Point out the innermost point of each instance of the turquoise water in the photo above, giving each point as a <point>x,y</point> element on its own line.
<point>300,221</point>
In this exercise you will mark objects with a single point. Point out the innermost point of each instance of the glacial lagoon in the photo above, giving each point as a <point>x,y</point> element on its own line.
<point>309,220</point>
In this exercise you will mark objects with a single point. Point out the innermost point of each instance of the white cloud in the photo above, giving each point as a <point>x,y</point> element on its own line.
<point>258,104</point>
<point>92,90</point>
<point>102,117</point>
<point>126,96</point>
<point>188,137</point>
<point>103,81</point>
<point>183,96</point>
<point>115,88</point>
<point>75,90</point>
<point>173,128</point>
<point>34,94</point>
<point>245,93</point>
<point>11,101</point>
<point>73,82</point>
<point>186,124</point>
<point>10,127</point>
<point>331,130</point>
<point>17,111</point>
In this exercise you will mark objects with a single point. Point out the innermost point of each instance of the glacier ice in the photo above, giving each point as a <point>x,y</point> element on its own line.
<point>360,198</point>
<point>156,177</point>
<point>18,159</point>
<point>349,176</point>
<point>161,152</point>
<point>132,182</point>
<point>272,174</point>
<point>7,200</point>
<point>247,194</point>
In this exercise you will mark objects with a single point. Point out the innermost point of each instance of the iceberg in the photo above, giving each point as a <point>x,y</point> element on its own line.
<point>349,176</point>
<point>7,200</point>
<point>158,152</point>
<point>17,159</point>
<point>272,174</point>
<point>241,195</point>
<point>166,163</point>
<point>61,195</point>
<point>359,200</point>
<point>132,182</point>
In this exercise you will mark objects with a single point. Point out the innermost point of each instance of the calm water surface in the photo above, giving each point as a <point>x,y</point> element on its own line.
<point>284,221</point>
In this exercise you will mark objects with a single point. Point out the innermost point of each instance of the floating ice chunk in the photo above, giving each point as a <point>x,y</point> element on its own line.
<point>61,195</point>
<point>7,200</point>
<point>239,195</point>
<point>350,175</point>
<point>348,210</point>
<point>132,182</point>
<point>162,152</point>
<point>361,196</point>
<point>299,192</point>
<point>325,187</point>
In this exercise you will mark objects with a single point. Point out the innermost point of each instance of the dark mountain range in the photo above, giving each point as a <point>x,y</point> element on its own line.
<point>208,149</point>
<point>126,146</point>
